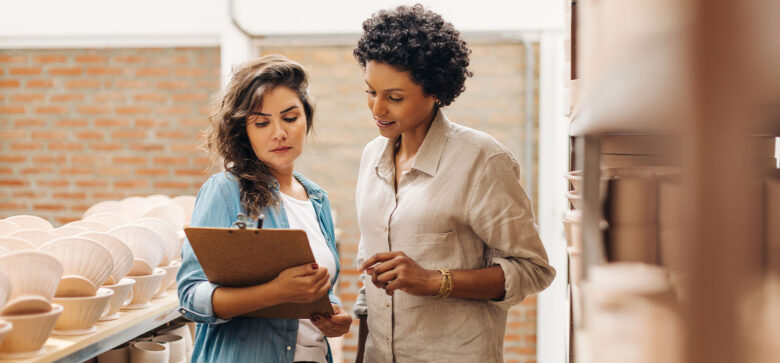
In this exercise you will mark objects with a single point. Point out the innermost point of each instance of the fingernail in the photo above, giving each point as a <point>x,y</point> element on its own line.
<point>314,266</point>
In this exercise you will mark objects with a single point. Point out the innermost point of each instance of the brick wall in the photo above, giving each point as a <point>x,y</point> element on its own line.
<point>81,126</point>
<point>493,102</point>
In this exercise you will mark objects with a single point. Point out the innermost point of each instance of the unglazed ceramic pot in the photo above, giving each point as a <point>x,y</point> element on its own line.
<point>144,289</point>
<point>146,244</point>
<point>29,333</point>
<point>7,227</point>
<point>90,225</point>
<point>67,231</point>
<point>106,206</point>
<point>112,220</point>
<point>30,222</point>
<point>123,295</point>
<point>34,277</point>
<point>187,205</point>
<point>149,352</point>
<point>82,259</point>
<point>121,254</point>
<point>170,213</point>
<point>81,313</point>
<point>169,279</point>
<point>35,237</point>
<point>15,244</point>
<point>167,234</point>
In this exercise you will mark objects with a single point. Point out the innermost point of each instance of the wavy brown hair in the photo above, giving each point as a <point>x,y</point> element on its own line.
<point>227,138</point>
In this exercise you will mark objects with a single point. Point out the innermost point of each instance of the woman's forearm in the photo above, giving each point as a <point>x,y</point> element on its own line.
<point>228,302</point>
<point>485,283</point>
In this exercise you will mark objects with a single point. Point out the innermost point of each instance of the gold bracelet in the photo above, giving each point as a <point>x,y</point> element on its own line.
<point>446,283</point>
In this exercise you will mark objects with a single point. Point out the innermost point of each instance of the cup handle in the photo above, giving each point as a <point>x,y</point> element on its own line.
<point>129,298</point>
<point>106,309</point>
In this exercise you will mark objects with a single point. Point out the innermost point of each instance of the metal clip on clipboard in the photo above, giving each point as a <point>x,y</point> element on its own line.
<point>243,221</point>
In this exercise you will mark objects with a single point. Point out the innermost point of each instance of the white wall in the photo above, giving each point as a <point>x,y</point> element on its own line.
<point>31,21</point>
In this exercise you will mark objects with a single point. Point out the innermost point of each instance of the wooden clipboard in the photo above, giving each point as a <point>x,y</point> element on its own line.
<point>245,257</point>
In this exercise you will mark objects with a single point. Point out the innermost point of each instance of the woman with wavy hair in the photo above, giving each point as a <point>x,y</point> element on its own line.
<point>258,129</point>
<point>448,240</point>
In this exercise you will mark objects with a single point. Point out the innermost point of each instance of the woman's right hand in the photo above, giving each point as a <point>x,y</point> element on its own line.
<point>304,283</point>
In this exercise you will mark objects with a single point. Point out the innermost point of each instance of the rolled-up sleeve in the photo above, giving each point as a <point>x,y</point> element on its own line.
<point>213,208</point>
<point>501,215</point>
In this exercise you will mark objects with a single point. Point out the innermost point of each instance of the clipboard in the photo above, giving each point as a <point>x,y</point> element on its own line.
<point>244,257</point>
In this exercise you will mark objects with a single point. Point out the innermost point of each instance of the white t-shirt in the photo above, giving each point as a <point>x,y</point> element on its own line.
<point>311,344</point>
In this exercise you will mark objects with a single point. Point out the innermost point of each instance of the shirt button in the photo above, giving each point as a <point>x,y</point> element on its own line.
<point>385,228</point>
<point>388,305</point>
<point>289,348</point>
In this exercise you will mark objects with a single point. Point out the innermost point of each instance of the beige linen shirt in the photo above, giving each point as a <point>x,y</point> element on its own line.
<point>461,206</point>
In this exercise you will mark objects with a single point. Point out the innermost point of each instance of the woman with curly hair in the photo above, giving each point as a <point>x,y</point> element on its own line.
<point>258,130</point>
<point>448,240</point>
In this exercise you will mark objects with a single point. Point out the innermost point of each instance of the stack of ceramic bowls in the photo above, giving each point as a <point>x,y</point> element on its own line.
<point>171,261</point>
<point>631,314</point>
<point>32,229</point>
<point>122,258</point>
<point>86,266</point>
<point>572,222</point>
<point>34,277</point>
<point>148,252</point>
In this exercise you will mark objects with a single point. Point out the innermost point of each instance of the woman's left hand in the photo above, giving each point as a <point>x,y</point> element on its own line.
<point>397,271</point>
<point>334,325</point>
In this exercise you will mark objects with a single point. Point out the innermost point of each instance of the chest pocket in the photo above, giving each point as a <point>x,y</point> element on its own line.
<point>431,251</point>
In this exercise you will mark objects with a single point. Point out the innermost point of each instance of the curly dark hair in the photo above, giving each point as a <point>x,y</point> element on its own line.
<point>414,39</point>
<point>227,138</point>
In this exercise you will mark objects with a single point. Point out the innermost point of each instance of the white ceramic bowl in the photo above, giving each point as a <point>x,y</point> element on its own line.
<point>156,200</point>
<point>169,279</point>
<point>81,313</point>
<point>5,288</point>
<point>32,274</point>
<point>170,213</point>
<point>15,244</point>
<point>29,333</point>
<point>146,244</point>
<point>123,295</point>
<point>144,289</point>
<point>36,237</point>
<point>187,205</point>
<point>80,257</point>
<point>30,222</point>
<point>149,352</point>
<point>168,235</point>
<point>121,254</point>
<point>106,206</point>
<point>112,220</point>
<point>7,227</point>
<point>90,225</point>
<point>135,206</point>
<point>67,231</point>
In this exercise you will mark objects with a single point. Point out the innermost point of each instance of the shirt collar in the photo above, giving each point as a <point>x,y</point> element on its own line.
<point>312,190</point>
<point>429,154</point>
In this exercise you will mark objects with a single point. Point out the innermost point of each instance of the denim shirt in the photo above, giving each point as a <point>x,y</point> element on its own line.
<point>241,339</point>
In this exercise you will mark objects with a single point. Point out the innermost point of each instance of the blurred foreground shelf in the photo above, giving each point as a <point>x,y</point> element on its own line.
<point>130,324</point>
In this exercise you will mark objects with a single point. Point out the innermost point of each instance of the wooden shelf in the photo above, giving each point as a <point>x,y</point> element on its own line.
<point>110,334</point>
